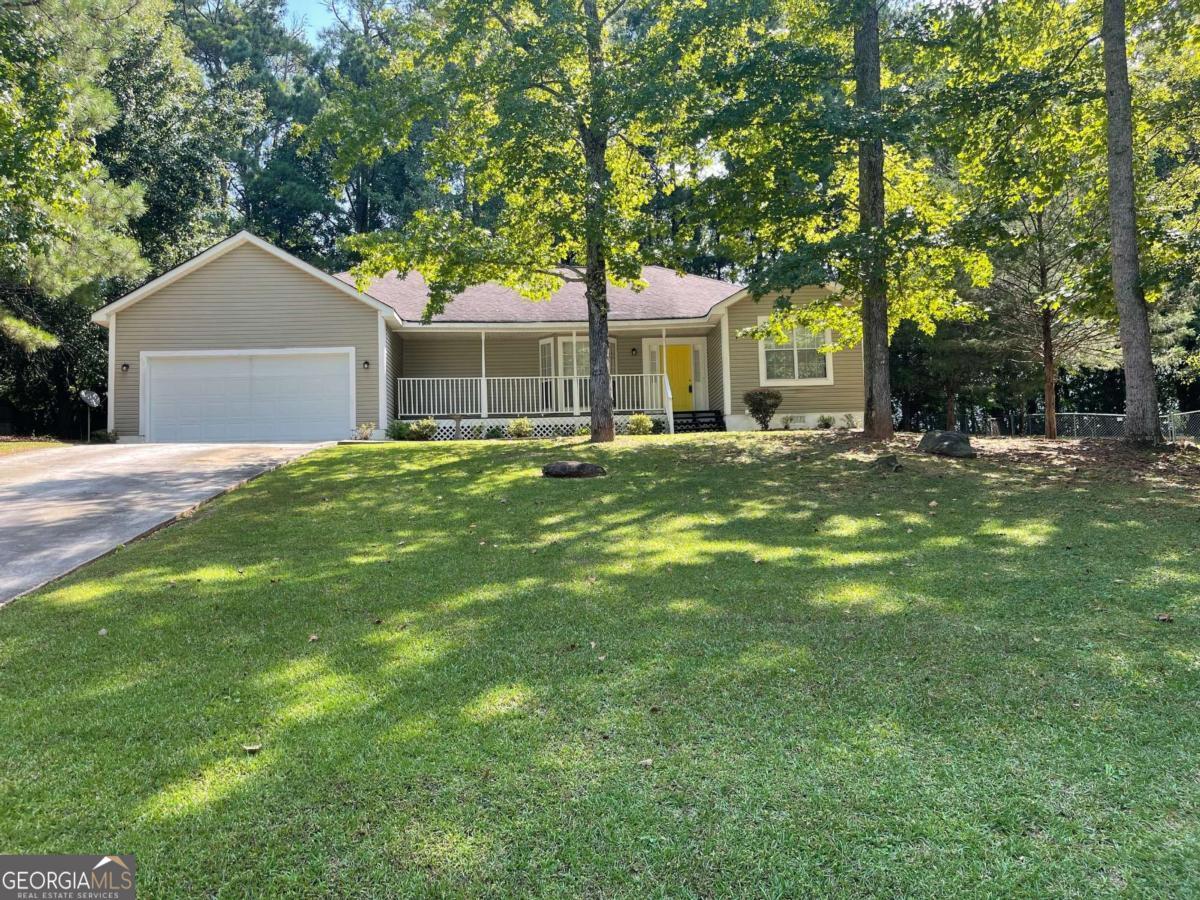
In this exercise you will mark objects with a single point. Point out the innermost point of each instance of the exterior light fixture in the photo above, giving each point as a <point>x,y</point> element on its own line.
<point>366,364</point>
<point>633,350</point>
<point>124,367</point>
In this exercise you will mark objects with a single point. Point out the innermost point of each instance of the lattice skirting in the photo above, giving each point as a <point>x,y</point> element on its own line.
<point>548,427</point>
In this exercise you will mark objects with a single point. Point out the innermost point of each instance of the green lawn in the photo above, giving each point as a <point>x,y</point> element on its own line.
<point>738,664</point>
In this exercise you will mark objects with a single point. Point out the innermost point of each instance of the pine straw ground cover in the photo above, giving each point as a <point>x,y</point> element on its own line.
<point>739,664</point>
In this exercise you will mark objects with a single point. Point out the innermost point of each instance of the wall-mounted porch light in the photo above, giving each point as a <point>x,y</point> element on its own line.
<point>124,367</point>
<point>366,364</point>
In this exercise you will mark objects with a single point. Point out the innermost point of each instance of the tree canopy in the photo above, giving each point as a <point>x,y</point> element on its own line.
<point>533,142</point>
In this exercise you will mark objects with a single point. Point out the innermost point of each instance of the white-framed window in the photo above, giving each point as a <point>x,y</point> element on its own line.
<point>799,361</point>
<point>574,357</point>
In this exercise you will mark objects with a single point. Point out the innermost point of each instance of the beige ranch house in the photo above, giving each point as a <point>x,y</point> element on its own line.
<point>248,343</point>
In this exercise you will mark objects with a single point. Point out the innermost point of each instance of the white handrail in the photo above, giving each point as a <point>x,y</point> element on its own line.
<point>668,403</point>
<point>438,396</point>
<point>522,395</point>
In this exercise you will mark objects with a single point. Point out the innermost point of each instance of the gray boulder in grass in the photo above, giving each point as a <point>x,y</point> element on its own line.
<point>572,468</point>
<point>947,443</point>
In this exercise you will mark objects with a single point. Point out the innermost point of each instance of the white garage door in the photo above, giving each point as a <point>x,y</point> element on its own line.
<point>279,396</point>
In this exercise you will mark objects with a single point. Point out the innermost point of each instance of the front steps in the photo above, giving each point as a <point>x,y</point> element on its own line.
<point>699,420</point>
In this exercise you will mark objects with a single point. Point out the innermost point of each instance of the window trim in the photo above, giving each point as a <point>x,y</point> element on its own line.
<point>764,381</point>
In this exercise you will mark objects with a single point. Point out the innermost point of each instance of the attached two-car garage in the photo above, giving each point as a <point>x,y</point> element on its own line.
<point>247,343</point>
<point>272,395</point>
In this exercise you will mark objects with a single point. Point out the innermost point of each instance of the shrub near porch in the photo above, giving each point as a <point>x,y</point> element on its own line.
<point>739,663</point>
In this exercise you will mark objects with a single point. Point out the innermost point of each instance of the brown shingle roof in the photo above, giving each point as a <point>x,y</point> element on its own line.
<point>667,295</point>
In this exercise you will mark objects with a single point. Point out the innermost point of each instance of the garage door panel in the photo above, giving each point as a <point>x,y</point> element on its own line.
<point>249,397</point>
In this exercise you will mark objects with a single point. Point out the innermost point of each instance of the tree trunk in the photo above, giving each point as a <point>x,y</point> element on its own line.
<point>1141,393</point>
<point>877,403</point>
<point>596,289</point>
<point>1049,374</point>
<point>951,412</point>
<point>594,137</point>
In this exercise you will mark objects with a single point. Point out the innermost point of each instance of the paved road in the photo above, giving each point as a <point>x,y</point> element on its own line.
<point>64,507</point>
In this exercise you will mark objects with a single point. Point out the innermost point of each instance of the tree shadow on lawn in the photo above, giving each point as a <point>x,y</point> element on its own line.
<point>838,687</point>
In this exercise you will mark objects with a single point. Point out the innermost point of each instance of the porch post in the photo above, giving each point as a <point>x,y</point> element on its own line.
<point>575,392</point>
<point>662,361</point>
<point>668,403</point>
<point>483,410</point>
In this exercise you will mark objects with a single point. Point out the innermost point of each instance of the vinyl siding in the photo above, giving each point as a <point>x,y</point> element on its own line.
<point>508,355</point>
<point>844,395</point>
<point>395,349</point>
<point>246,299</point>
<point>716,384</point>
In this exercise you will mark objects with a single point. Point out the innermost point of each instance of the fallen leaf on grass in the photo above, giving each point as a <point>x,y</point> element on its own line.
<point>312,638</point>
<point>1164,618</point>
<point>251,748</point>
<point>646,763</point>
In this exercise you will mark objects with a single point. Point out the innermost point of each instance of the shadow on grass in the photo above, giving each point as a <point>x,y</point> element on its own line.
<point>736,664</point>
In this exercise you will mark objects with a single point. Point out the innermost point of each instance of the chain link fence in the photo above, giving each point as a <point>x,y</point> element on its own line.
<point>1175,426</point>
<point>1181,425</point>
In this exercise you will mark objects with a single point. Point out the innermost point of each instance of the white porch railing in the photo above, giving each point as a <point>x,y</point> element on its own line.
<point>528,395</point>
<point>438,396</point>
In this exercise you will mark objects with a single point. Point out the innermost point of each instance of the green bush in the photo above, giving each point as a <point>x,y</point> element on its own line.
<point>583,430</point>
<point>399,430</point>
<point>100,436</point>
<point>824,422</point>
<point>520,428</point>
<point>640,423</point>
<point>423,429</point>
<point>494,432</point>
<point>762,403</point>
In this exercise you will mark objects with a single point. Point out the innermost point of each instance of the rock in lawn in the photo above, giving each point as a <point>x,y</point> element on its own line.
<point>572,468</point>
<point>947,443</point>
<point>888,463</point>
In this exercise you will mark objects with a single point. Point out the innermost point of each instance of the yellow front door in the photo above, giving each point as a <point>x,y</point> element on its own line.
<point>679,373</point>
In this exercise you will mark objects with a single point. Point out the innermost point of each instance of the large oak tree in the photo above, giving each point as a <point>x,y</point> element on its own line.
<point>550,121</point>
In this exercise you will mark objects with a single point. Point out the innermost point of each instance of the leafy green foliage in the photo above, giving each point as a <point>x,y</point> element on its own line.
<point>538,147</point>
<point>786,194</point>
<point>761,403</point>
<point>423,429</point>
<point>173,135</point>
<point>639,424</point>
<point>520,428</point>
<point>398,430</point>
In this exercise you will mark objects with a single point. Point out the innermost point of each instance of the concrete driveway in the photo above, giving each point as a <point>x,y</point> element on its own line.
<point>64,507</point>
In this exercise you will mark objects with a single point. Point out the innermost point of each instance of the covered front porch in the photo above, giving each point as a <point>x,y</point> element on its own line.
<point>501,375</point>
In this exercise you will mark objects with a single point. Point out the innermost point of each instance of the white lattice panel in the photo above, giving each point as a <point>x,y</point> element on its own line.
<point>548,427</point>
